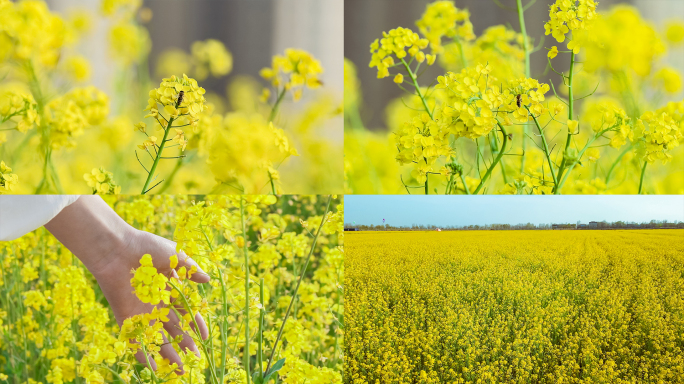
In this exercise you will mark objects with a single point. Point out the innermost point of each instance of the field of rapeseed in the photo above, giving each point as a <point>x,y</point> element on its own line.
<point>273,307</point>
<point>515,306</point>
<point>153,127</point>
<point>605,116</point>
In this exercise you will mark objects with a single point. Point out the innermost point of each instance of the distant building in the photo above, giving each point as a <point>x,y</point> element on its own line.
<point>351,229</point>
<point>563,226</point>
<point>593,224</point>
<point>438,230</point>
<point>582,226</point>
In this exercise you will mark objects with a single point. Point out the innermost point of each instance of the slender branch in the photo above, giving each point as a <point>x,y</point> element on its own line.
<point>523,31</point>
<point>299,282</point>
<point>546,146</point>
<point>141,164</point>
<point>496,160</point>
<point>153,187</point>
<point>460,49</point>
<point>572,165</point>
<point>641,179</point>
<point>158,157</point>
<point>570,116</point>
<point>274,110</point>
<point>615,163</point>
<point>465,186</point>
<point>246,256</point>
<point>417,87</point>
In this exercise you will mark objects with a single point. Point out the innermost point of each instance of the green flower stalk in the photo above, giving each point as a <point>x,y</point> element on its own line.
<point>178,98</point>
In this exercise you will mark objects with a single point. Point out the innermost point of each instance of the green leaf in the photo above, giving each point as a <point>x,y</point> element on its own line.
<point>275,368</point>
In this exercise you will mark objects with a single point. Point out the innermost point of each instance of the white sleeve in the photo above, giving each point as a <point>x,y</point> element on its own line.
<point>21,214</point>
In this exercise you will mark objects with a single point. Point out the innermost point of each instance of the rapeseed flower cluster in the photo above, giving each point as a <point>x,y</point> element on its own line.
<point>397,42</point>
<point>69,115</point>
<point>102,182</point>
<point>243,150</point>
<point>29,32</point>
<point>211,57</point>
<point>622,39</point>
<point>503,306</point>
<point>20,109</point>
<point>570,16</point>
<point>443,19</point>
<point>295,70</point>
<point>608,116</point>
<point>56,326</point>
<point>7,179</point>
<point>661,134</point>
<point>587,135</point>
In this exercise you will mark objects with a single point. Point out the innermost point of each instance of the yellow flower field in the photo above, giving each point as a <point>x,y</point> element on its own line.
<point>515,306</point>
<point>280,317</point>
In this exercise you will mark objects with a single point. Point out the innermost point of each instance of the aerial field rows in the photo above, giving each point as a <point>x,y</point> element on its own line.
<point>514,306</point>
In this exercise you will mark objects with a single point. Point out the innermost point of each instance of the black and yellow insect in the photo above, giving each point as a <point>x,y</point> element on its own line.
<point>180,97</point>
<point>518,99</point>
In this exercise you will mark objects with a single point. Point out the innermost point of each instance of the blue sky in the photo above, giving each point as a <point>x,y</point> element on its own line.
<point>480,210</point>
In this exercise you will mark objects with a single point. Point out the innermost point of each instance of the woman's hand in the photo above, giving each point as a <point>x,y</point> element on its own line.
<point>111,249</point>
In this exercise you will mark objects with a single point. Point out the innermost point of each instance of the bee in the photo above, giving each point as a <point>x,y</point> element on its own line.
<point>180,97</point>
<point>518,99</point>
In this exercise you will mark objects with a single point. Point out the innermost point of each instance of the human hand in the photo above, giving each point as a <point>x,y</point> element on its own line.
<point>114,279</point>
<point>111,249</point>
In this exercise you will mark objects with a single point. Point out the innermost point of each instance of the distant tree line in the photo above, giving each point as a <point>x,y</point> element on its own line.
<point>653,224</point>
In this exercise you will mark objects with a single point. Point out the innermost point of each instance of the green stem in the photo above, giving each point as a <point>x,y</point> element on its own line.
<point>274,110</point>
<point>496,160</point>
<point>414,79</point>
<point>261,328</point>
<point>246,255</point>
<point>494,146</point>
<point>523,31</point>
<point>169,180</point>
<point>36,91</point>
<point>579,156</point>
<point>546,146</point>
<point>464,61</point>
<point>150,175</point>
<point>465,186</point>
<point>270,179</point>
<point>147,358</point>
<point>299,282</point>
<point>616,162</point>
<point>641,180</point>
<point>571,104</point>
<point>188,308</point>
<point>224,327</point>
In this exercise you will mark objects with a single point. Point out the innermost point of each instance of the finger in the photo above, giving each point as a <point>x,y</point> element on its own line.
<point>166,351</point>
<point>173,325</point>
<point>143,358</point>
<point>204,331</point>
<point>198,277</point>
<point>174,329</point>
